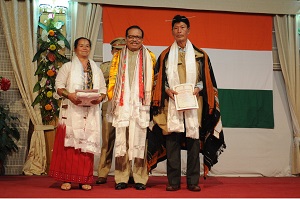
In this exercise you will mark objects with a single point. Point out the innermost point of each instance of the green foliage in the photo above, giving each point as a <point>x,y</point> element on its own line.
<point>9,135</point>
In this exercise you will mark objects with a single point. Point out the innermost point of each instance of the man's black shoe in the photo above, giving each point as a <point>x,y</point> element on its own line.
<point>140,186</point>
<point>121,185</point>
<point>193,187</point>
<point>172,188</point>
<point>101,180</point>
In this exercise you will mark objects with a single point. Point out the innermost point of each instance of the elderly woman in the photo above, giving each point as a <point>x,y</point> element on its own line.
<point>78,133</point>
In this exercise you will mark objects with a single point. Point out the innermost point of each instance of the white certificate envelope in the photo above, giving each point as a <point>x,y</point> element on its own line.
<point>86,96</point>
<point>185,99</point>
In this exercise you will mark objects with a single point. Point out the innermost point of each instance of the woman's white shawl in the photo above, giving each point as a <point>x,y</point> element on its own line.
<point>82,123</point>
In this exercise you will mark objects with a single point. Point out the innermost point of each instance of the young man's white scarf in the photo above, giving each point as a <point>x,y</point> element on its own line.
<point>133,114</point>
<point>82,134</point>
<point>175,121</point>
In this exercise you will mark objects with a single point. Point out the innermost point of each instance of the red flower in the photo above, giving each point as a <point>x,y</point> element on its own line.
<point>51,57</point>
<point>4,84</point>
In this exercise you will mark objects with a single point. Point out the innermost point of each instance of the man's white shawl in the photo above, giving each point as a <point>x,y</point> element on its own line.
<point>133,115</point>
<point>175,119</point>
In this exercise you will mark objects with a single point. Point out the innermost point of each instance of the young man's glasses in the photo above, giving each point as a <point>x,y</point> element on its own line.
<point>134,37</point>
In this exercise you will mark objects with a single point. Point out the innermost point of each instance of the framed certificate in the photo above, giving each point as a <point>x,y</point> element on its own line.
<point>87,96</point>
<point>185,99</point>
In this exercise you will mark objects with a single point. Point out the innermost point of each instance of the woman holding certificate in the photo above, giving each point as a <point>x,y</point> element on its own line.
<point>186,108</point>
<point>81,84</point>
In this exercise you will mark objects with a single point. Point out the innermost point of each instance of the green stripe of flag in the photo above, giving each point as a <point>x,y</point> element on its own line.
<point>246,108</point>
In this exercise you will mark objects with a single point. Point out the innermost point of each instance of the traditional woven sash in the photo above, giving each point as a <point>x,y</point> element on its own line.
<point>89,76</point>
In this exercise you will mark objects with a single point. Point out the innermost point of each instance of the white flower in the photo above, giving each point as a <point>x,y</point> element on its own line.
<point>43,82</point>
<point>56,96</point>
<point>44,35</point>
<point>43,58</point>
<point>50,16</point>
<point>61,43</point>
<point>58,25</point>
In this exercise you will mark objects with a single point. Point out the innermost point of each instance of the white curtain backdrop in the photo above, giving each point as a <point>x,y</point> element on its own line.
<point>287,39</point>
<point>21,42</point>
<point>86,20</point>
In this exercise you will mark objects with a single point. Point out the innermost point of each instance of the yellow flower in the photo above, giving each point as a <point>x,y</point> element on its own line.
<point>48,107</point>
<point>52,47</point>
<point>51,33</point>
<point>49,94</point>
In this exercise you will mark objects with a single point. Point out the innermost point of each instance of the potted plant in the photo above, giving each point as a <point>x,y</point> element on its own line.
<point>9,134</point>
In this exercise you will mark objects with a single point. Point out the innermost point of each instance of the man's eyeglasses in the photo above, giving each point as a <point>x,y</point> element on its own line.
<point>134,37</point>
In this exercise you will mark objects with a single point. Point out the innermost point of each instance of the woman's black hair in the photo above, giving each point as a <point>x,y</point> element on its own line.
<point>77,40</point>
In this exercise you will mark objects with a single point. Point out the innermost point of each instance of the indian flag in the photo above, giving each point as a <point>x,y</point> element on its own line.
<point>239,47</point>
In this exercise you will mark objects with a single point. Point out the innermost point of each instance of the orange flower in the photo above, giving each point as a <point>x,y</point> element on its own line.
<point>50,73</point>
<point>48,107</point>
<point>51,33</point>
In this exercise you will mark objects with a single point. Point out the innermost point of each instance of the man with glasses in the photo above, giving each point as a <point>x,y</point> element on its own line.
<point>129,89</point>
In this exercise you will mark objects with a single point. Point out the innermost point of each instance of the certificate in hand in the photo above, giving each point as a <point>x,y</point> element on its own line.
<point>86,96</point>
<point>185,99</point>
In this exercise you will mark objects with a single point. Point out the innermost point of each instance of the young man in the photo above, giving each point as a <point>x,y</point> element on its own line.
<point>183,63</point>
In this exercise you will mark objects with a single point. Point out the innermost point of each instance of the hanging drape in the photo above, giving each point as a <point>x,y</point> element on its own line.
<point>86,20</point>
<point>16,18</point>
<point>287,40</point>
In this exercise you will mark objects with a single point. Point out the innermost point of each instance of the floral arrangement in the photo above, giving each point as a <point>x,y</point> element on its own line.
<point>50,58</point>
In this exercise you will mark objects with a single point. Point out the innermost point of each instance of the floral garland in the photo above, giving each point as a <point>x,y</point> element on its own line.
<point>113,74</point>
<point>50,58</point>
